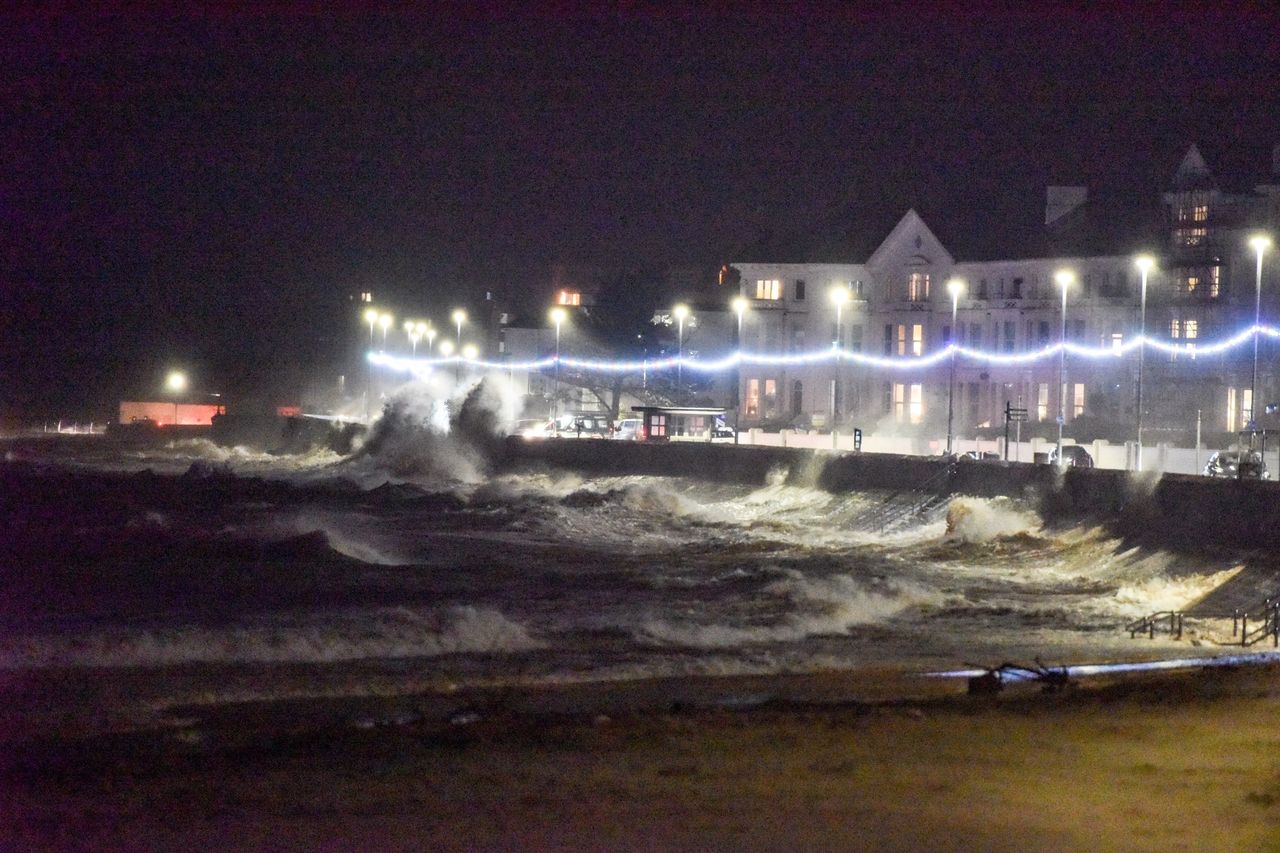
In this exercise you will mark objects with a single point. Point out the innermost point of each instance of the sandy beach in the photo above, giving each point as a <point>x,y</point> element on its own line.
<point>1175,761</point>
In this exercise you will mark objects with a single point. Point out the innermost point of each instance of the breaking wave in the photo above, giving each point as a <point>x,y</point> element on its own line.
<point>827,606</point>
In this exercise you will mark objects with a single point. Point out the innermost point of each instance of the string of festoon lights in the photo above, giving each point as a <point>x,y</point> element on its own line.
<point>906,362</point>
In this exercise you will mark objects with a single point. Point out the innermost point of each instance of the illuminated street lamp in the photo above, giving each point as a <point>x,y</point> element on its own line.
<point>839,296</point>
<point>470,352</point>
<point>446,349</point>
<point>681,313</point>
<point>1064,279</point>
<point>385,322</point>
<point>1259,243</point>
<point>557,315</point>
<point>1144,264</point>
<point>370,317</point>
<point>411,330</point>
<point>175,383</point>
<point>739,304</point>
<point>430,334</point>
<point>459,317</point>
<point>955,287</point>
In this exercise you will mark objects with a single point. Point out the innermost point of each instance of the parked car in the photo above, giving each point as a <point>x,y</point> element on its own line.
<point>1073,456</point>
<point>628,429</point>
<point>584,425</point>
<point>534,428</point>
<point>1245,465</point>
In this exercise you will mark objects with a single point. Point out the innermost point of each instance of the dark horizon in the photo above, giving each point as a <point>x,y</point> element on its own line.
<point>206,191</point>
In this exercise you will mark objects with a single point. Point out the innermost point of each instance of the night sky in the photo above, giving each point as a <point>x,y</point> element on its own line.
<point>206,191</point>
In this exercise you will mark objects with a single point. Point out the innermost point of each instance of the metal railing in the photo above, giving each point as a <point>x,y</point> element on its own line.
<point>1147,624</point>
<point>1266,623</point>
<point>922,500</point>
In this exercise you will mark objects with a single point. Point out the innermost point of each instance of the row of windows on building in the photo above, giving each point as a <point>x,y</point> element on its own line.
<point>1203,282</point>
<point>905,401</point>
<point>909,339</point>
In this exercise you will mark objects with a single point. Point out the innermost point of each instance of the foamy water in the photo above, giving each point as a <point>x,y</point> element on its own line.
<point>410,551</point>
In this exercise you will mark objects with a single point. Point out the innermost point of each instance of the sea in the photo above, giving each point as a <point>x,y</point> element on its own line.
<point>140,578</point>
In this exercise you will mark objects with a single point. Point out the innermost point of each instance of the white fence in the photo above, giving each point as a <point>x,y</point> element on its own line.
<point>1161,458</point>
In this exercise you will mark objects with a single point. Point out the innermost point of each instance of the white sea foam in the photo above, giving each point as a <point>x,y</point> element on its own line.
<point>387,633</point>
<point>1161,592</point>
<point>981,520</point>
<point>823,606</point>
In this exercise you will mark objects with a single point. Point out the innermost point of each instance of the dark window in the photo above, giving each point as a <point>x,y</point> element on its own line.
<point>982,288</point>
<point>888,339</point>
<point>1017,289</point>
<point>797,397</point>
<point>800,290</point>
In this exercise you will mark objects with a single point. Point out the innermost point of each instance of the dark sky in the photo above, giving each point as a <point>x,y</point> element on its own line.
<point>205,191</point>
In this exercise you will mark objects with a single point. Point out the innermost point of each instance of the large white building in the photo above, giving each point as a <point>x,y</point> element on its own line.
<point>1202,289</point>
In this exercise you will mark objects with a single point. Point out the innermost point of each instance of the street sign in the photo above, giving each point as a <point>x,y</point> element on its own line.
<point>857,439</point>
<point>1014,414</point>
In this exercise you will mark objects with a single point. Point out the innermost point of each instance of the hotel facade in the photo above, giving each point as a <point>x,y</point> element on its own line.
<point>896,306</point>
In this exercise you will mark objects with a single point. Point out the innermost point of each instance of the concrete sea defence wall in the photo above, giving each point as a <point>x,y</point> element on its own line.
<point>1174,510</point>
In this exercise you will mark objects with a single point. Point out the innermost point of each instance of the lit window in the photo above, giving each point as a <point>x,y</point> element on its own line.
<point>918,286</point>
<point>1042,402</point>
<point>908,403</point>
<point>1191,236</point>
<point>769,288</point>
<point>1200,213</point>
<point>770,398</point>
<point>1117,341</point>
<point>1231,410</point>
<point>1175,328</point>
<point>1215,282</point>
<point>569,297</point>
<point>1246,406</point>
<point>753,398</point>
<point>1193,281</point>
<point>917,339</point>
<point>1077,400</point>
<point>1190,328</point>
<point>658,425</point>
<point>902,339</point>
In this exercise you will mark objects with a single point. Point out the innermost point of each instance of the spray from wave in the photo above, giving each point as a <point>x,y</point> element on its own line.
<point>435,431</point>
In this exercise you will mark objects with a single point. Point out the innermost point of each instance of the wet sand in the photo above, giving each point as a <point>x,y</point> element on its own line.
<point>1170,761</point>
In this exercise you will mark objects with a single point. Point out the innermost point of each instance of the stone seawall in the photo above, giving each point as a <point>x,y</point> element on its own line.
<point>1178,511</point>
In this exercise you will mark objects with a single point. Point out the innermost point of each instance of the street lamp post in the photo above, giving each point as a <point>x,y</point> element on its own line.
<point>1259,243</point>
<point>681,313</point>
<point>955,287</point>
<point>411,331</point>
<point>1144,263</point>
<point>385,322</point>
<point>557,317</point>
<point>370,317</point>
<point>739,307</point>
<point>175,383</point>
<point>1064,279</point>
<point>459,317</point>
<point>839,296</point>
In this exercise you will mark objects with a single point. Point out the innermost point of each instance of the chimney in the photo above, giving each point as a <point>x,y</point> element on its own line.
<point>1059,201</point>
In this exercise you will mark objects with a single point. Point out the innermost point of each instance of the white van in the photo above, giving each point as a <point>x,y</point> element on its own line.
<point>628,429</point>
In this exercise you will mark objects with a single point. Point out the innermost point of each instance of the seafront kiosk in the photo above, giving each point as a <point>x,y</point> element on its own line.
<point>663,423</point>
